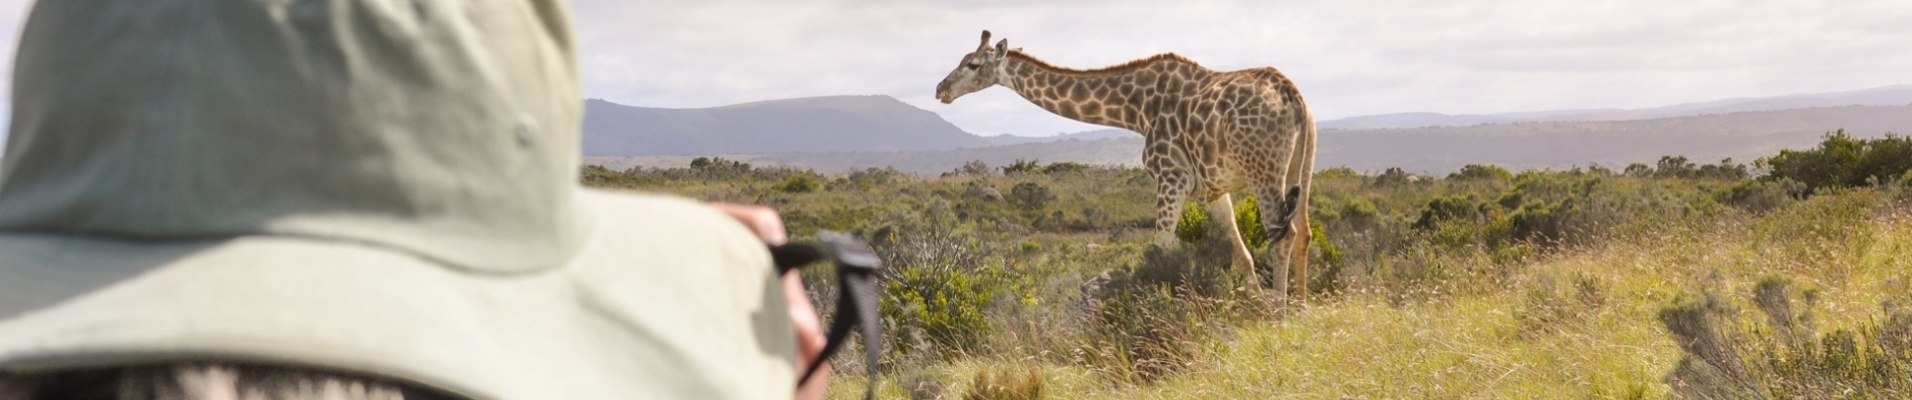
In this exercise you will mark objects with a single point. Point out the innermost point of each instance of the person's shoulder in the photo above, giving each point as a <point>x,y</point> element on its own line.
<point>668,227</point>
<point>651,208</point>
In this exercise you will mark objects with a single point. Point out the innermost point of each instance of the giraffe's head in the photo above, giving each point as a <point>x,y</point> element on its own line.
<point>979,70</point>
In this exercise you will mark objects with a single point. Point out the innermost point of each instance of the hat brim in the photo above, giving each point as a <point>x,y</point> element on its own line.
<point>669,299</point>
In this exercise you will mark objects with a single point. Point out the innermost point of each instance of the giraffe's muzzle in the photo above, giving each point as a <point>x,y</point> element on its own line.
<point>942,92</point>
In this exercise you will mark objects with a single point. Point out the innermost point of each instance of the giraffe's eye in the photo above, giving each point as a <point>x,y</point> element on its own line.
<point>973,65</point>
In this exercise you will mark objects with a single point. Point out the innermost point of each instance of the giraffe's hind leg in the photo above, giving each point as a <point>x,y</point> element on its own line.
<point>1303,234</point>
<point>1277,214</point>
<point>1301,172</point>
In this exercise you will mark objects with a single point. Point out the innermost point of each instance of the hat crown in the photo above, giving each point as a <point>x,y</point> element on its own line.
<point>447,129</point>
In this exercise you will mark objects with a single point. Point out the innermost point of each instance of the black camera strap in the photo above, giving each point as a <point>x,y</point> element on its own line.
<point>856,269</point>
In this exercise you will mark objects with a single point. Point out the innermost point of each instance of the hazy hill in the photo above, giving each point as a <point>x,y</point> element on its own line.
<point>1102,152</point>
<point>1098,134</point>
<point>1706,139</point>
<point>816,124</point>
<point>1703,139</point>
<point>1882,96</point>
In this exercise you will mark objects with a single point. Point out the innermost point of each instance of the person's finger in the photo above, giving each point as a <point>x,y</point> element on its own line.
<point>761,220</point>
<point>810,339</point>
<point>806,326</point>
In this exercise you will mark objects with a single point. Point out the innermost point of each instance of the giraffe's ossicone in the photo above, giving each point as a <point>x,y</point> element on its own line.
<point>1206,134</point>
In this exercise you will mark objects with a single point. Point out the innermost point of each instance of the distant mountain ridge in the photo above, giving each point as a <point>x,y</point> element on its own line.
<point>815,124</point>
<point>1099,134</point>
<point>1742,136</point>
<point>1708,138</point>
<point>841,132</point>
<point>1895,95</point>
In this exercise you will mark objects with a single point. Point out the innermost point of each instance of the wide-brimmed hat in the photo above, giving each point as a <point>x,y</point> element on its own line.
<point>385,187</point>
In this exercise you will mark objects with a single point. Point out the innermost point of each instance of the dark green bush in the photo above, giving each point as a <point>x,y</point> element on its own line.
<point>1842,161</point>
<point>1063,168</point>
<point>868,178</point>
<point>1481,172</point>
<point>1545,222</point>
<point>1193,225</point>
<point>942,279</point>
<point>1394,176</point>
<point>972,168</point>
<point>800,183</point>
<point>1022,166</point>
<point>1447,208</point>
<point>1753,196</point>
<point>1029,195</point>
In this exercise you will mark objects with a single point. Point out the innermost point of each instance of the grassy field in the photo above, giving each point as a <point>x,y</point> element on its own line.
<point>1671,279</point>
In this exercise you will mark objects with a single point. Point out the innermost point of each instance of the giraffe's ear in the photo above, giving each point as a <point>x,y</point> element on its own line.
<point>1002,47</point>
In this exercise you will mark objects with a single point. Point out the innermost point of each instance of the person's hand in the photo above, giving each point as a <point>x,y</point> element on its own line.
<point>803,315</point>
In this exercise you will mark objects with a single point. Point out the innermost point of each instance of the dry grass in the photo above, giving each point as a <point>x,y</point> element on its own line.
<point>1575,324</point>
<point>1538,285</point>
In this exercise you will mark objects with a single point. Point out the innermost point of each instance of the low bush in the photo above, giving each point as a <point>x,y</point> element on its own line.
<point>1785,357</point>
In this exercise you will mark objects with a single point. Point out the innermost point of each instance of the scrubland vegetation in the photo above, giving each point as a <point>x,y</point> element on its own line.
<point>1783,278</point>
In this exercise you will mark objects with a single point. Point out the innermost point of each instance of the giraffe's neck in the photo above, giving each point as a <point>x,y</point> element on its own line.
<point>1128,96</point>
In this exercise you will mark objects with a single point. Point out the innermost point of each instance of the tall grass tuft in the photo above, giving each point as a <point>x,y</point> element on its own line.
<point>1006,385</point>
<point>1784,357</point>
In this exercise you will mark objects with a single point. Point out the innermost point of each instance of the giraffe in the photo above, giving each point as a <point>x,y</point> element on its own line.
<point>1206,134</point>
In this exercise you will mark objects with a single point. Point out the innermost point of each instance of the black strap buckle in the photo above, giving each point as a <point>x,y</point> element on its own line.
<point>856,267</point>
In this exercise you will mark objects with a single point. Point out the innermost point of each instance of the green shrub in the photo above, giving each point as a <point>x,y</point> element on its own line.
<point>1637,170</point>
<point>1725,170</point>
<point>1481,172</point>
<point>946,306</point>
<point>1753,196</point>
<point>1337,173</point>
<point>1192,226</point>
<point>1447,208</point>
<point>972,168</point>
<point>718,167</point>
<point>1063,168</point>
<point>1539,221</point>
<point>1841,161</point>
<point>1248,220</point>
<point>800,183</point>
<point>1360,214</point>
<point>1328,261</point>
<point>1820,224</point>
<point>868,178</point>
<point>597,175</point>
<point>1394,176</point>
<point>1022,167</point>
<point>942,279</point>
<point>1029,195</point>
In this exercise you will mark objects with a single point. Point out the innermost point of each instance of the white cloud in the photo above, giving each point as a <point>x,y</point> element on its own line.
<point>12,13</point>
<point>1351,58</point>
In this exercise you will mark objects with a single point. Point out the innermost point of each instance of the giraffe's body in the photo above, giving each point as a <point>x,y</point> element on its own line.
<point>1207,133</point>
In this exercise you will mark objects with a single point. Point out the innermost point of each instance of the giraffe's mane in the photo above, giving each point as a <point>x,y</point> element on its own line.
<point>1131,64</point>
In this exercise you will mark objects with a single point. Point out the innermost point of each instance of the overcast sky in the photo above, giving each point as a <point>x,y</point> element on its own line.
<point>1350,57</point>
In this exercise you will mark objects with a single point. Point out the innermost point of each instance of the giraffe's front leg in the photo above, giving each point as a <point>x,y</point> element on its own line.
<point>1173,183</point>
<point>1171,191</point>
<point>1221,210</point>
